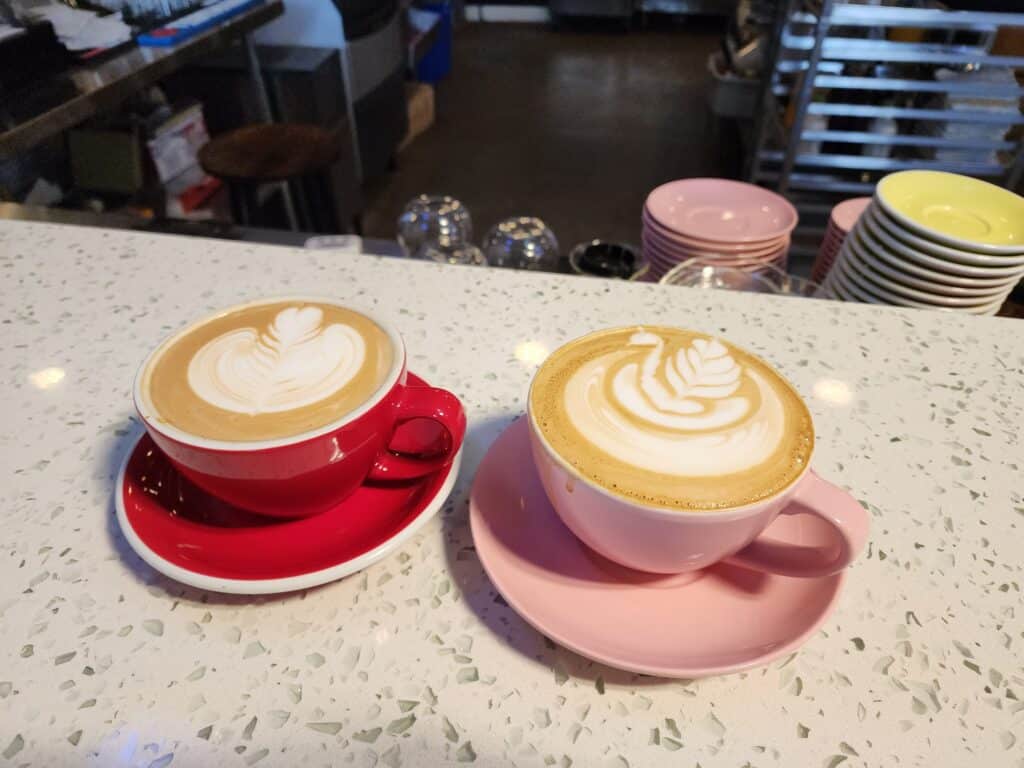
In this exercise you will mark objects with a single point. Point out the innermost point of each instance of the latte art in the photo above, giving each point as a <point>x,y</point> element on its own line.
<point>672,417</point>
<point>295,362</point>
<point>267,370</point>
<point>677,414</point>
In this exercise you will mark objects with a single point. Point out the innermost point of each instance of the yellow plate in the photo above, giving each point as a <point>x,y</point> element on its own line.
<point>956,210</point>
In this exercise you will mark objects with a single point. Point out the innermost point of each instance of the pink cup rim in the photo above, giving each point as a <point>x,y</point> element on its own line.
<point>148,413</point>
<point>728,513</point>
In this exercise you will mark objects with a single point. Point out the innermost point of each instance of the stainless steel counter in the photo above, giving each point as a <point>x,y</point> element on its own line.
<point>88,90</point>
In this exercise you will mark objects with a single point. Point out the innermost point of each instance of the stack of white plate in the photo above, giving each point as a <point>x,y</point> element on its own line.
<point>933,240</point>
<point>716,222</point>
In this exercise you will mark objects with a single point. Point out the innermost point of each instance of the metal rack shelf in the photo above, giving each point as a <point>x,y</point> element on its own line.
<point>839,74</point>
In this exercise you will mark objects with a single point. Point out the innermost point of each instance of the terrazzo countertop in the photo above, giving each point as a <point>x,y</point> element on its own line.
<point>416,661</point>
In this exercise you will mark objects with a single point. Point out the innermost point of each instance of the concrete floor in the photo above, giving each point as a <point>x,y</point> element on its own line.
<point>575,127</point>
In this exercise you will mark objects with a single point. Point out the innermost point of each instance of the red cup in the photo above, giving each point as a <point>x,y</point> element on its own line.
<point>308,473</point>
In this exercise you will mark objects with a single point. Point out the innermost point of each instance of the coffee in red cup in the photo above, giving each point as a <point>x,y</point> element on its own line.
<point>285,406</point>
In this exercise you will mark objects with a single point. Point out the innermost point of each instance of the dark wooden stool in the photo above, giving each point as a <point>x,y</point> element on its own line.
<point>300,155</point>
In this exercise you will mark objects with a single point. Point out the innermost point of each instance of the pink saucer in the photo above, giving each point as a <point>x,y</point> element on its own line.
<point>677,240</point>
<point>657,260</point>
<point>673,246</point>
<point>721,210</point>
<point>183,532</point>
<point>845,214</point>
<point>721,620</point>
<point>676,256</point>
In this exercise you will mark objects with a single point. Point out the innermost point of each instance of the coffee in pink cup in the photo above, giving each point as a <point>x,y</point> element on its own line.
<point>668,450</point>
<point>285,406</point>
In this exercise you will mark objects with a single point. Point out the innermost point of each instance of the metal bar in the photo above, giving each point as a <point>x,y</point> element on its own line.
<point>904,140</point>
<point>350,105</point>
<point>812,182</point>
<point>1016,171</point>
<point>846,49</point>
<point>924,86</point>
<point>820,183</point>
<point>266,113</point>
<point>252,61</point>
<point>892,16</point>
<point>793,42</point>
<point>859,49</point>
<point>791,66</point>
<point>910,113</point>
<point>865,163</point>
<point>766,104</point>
<point>804,96</point>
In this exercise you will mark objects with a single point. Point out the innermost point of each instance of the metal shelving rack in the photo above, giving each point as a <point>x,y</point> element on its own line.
<point>835,63</point>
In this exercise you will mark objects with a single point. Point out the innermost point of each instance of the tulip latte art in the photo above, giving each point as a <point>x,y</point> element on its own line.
<point>267,371</point>
<point>672,418</point>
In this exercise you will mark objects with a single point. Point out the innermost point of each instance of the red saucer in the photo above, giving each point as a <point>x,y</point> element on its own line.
<point>183,532</point>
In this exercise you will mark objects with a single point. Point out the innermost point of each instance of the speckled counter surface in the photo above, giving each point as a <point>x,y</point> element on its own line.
<point>415,661</point>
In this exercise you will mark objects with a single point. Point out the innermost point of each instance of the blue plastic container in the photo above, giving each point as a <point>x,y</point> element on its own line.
<point>437,63</point>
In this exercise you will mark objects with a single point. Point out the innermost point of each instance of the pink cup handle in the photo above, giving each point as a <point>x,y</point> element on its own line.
<point>835,506</point>
<point>423,403</point>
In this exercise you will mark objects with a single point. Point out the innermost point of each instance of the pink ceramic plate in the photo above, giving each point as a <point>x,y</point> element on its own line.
<point>751,250</point>
<point>721,210</point>
<point>721,620</point>
<point>846,213</point>
<point>651,225</point>
<point>673,258</point>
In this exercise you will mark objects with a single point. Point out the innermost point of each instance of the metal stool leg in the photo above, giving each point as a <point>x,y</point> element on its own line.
<point>263,99</point>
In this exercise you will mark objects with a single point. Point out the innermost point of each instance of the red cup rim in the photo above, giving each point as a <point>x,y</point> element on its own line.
<point>147,412</point>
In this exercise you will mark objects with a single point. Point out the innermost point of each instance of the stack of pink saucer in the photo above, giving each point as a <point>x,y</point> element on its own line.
<point>717,221</point>
<point>843,217</point>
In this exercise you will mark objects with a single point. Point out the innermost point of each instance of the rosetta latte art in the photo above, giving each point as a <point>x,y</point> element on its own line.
<point>692,411</point>
<point>294,362</point>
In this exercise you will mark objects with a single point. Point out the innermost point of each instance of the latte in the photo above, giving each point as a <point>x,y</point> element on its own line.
<point>267,370</point>
<point>672,418</point>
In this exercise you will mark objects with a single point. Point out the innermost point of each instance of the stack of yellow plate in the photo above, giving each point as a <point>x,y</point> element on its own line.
<point>933,240</point>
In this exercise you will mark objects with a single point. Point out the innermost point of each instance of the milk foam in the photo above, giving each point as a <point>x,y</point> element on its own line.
<point>294,362</point>
<point>696,425</point>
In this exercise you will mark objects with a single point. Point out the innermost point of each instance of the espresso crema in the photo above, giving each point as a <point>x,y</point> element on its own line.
<point>672,418</point>
<point>267,370</point>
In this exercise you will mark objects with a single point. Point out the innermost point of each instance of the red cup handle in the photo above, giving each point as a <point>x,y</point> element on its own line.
<point>438,405</point>
<point>835,506</point>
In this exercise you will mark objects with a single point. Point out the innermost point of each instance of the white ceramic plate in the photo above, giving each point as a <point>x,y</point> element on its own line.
<point>878,282</point>
<point>956,210</point>
<point>942,251</point>
<point>870,255</point>
<point>897,254</point>
<point>861,289</point>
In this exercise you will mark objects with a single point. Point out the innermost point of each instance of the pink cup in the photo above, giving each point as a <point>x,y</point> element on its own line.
<point>659,540</point>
